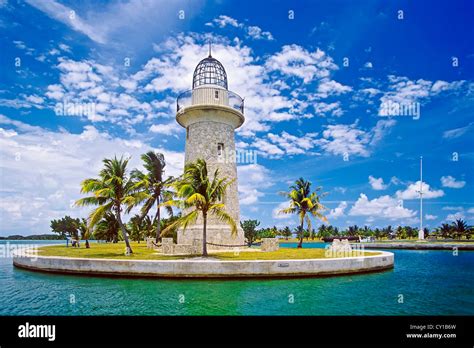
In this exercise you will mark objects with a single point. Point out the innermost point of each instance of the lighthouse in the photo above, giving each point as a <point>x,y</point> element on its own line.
<point>210,113</point>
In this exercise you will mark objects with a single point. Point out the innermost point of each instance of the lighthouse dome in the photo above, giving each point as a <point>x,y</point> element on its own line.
<point>209,71</point>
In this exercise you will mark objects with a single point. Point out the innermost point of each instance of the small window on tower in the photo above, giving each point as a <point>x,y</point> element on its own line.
<point>216,94</point>
<point>187,132</point>
<point>220,149</point>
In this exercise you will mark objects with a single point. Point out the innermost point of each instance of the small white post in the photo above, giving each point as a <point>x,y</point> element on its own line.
<point>421,234</point>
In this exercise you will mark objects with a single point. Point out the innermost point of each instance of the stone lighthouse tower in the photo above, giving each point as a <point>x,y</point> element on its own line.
<point>210,113</point>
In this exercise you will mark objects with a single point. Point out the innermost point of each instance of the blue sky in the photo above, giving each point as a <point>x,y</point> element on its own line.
<point>316,77</point>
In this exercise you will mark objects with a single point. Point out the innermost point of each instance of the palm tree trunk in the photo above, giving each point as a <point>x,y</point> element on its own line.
<point>158,218</point>
<point>204,235</point>
<point>300,244</point>
<point>124,232</point>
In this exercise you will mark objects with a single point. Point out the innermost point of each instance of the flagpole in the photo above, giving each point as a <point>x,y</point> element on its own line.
<point>420,232</point>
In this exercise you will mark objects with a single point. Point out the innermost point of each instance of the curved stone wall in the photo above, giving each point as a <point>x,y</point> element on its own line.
<point>205,268</point>
<point>419,245</point>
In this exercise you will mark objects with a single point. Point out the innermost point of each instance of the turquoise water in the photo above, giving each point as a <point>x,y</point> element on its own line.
<point>431,283</point>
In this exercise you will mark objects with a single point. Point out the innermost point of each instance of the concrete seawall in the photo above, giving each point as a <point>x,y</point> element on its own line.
<point>417,246</point>
<point>205,268</point>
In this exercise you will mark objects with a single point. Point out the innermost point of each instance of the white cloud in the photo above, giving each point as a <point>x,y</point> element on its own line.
<point>381,129</point>
<point>337,212</point>
<point>276,211</point>
<point>166,129</point>
<point>253,178</point>
<point>54,52</point>
<point>267,149</point>
<point>35,99</point>
<point>69,17</point>
<point>455,216</point>
<point>65,47</point>
<point>123,99</point>
<point>343,139</point>
<point>329,87</point>
<point>370,91</point>
<point>452,208</point>
<point>334,109</point>
<point>106,24</point>
<point>178,57</point>
<point>395,181</point>
<point>90,85</point>
<point>377,183</point>
<point>430,217</point>
<point>55,92</point>
<point>252,31</point>
<point>222,21</point>
<point>457,132</point>
<point>412,192</point>
<point>340,189</point>
<point>403,91</point>
<point>381,207</point>
<point>31,198</point>
<point>257,33</point>
<point>293,145</point>
<point>295,61</point>
<point>368,65</point>
<point>22,46</point>
<point>441,86</point>
<point>449,181</point>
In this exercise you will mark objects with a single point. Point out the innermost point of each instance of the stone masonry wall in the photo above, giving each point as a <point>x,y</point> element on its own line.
<point>202,139</point>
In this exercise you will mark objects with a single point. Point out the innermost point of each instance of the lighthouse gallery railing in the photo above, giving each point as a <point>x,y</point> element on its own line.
<point>185,99</point>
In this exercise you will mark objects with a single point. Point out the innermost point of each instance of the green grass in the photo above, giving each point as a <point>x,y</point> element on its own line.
<point>140,252</point>
<point>105,251</point>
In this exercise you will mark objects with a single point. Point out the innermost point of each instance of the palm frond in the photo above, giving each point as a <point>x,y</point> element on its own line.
<point>308,222</point>
<point>289,210</point>
<point>183,222</point>
<point>97,214</point>
<point>87,201</point>
<point>195,199</point>
<point>223,216</point>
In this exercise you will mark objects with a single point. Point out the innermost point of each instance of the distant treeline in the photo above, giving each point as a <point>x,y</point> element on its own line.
<point>33,237</point>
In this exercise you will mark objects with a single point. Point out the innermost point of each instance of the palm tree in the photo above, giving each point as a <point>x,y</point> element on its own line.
<point>460,227</point>
<point>147,225</point>
<point>83,228</point>
<point>152,187</point>
<point>303,202</point>
<point>286,232</point>
<point>107,228</point>
<point>388,231</point>
<point>377,233</point>
<point>110,191</point>
<point>352,230</point>
<point>445,230</point>
<point>136,228</point>
<point>202,195</point>
<point>401,232</point>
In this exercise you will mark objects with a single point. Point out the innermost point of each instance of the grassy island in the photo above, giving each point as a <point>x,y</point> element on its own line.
<point>141,252</point>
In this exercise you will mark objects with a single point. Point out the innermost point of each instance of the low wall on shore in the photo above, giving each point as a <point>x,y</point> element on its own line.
<point>205,268</point>
<point>418,246</point>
